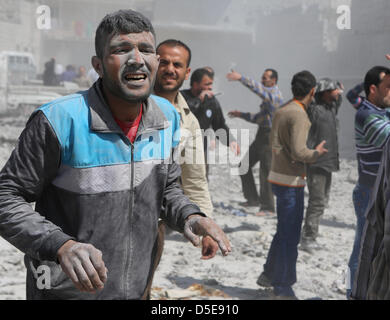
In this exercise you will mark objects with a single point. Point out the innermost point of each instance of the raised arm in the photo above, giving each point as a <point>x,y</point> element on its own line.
<point>354,97</point>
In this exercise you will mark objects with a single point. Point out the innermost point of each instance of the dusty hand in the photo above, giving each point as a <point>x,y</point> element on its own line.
<point>209,248</point>
<point>84,265</point>
<point>233,76</point>
<point>205,93</point>
<point>235,147</point>
<point>321,149</point>
<point>197,225</point>
<point>234,114</point>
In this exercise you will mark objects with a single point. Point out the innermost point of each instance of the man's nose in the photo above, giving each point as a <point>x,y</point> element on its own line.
<point>135,57</point>
<point>170,68</point>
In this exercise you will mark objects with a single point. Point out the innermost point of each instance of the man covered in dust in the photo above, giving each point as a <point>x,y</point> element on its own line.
<point>100,166</point>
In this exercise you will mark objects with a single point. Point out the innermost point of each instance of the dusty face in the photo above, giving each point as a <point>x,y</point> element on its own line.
<point>267,79</point>
<point>129,65</point>
<point>382,92</point>
<point>173,69</point>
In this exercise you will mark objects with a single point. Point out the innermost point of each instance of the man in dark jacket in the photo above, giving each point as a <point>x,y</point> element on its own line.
<point>206,108</point>
<point>100,166</point>
<point>323,116</point>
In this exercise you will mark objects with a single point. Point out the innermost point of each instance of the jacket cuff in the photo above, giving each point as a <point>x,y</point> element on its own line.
<point>188,211</point>
<point>48,251</point>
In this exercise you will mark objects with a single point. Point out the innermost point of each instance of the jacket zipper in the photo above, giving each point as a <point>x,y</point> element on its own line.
<point>131,207</point>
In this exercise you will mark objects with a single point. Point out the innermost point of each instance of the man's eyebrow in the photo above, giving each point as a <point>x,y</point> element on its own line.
<point>120,43</point>
<point>125,43</point>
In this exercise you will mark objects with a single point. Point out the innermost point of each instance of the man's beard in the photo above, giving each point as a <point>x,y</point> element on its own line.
<point>119,92</point>
<point>161,88</point>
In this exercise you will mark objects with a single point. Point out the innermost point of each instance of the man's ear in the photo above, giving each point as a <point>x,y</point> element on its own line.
<point>373,89</point>
<point>313,92</point>
<point>188,72</point>
<point>97,65</point>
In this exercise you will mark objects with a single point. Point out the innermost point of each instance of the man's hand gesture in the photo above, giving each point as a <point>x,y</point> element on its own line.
<point>84,265</point>
<point>234,114</point>
<point>206,93</point>
<point>233,76</point>
<point>321,149</point>
<point>214,237</point>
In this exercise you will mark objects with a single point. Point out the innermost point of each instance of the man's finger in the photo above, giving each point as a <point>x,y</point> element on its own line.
<point>98,263</point>
<point>83,277</point>
<point>209,248</point>
<point>191,236</point>
<point>92,274</point>
<point>223,242</point>
<point>67,267</point>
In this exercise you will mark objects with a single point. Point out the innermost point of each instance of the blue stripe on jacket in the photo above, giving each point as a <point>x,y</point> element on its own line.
<point>70,119</point>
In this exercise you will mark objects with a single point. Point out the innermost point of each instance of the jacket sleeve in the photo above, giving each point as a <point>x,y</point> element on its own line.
<point>299,130</point>
<point>255,87</point>
<point>30,169</point>
<point>251,117</point>
<point>376,129</point>
<point>219,123</point>
<point>177,206</point>
<point>193,169</point>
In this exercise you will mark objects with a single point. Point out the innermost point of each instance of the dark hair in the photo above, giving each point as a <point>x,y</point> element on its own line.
<point>211,70</point>
<point>373,78</point>
<point>274,74</point>
<point>177,43</point>
<point>198,75</point>
<point>302,83</point>
<point>119,22</point>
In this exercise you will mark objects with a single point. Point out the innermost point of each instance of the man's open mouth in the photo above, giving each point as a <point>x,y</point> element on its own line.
<point>135,76</point>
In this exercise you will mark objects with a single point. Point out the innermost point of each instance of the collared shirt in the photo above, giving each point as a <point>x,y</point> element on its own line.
<point>272,99</point>
<point>192,160</point>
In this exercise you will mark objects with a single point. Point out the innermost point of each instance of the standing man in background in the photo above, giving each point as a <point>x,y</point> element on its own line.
<point>260,149</point>
<point>324,126</point>
<point>372,131</point>
<point>174,68</point>
<point>205,106</point>
<point>289,134</point>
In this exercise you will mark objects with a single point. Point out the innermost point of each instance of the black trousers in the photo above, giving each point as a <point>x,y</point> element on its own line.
<point>259,151</point>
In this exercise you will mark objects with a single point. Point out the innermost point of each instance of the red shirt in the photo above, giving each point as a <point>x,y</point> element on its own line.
<point>130,128</point>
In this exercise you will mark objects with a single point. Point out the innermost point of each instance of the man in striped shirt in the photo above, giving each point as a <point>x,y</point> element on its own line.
<point>260,150</point>
<point>372,131</point>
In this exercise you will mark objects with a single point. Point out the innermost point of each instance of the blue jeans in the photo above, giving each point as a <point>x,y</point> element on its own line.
<point>280,266</point>
<point>361,196</point>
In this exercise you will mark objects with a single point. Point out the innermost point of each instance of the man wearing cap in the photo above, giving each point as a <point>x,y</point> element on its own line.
<point>323,116</point>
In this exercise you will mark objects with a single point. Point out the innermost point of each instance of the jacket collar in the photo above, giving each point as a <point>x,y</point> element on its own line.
<point>182,104</point>
<point>103,121</point>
